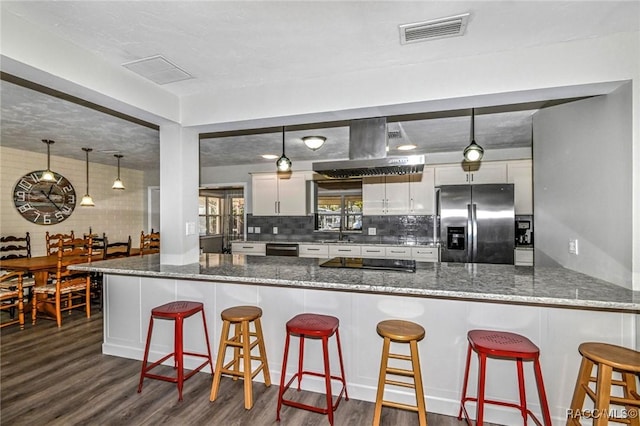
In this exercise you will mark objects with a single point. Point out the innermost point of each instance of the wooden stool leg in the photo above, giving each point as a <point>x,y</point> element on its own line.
<point>603,393</point>
<point>263,353</point>
<point>630,392</point>
<point>417,377</point>
<point>220,360</point>
<point>246,355</point>
<point>237,335</point>
<point>382,377</point>
<point>579,392</point>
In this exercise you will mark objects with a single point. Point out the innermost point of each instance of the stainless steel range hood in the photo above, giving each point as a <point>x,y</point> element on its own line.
<point>368,154</point>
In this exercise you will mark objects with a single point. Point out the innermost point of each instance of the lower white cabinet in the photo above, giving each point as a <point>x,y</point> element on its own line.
<point>425,254</point>
<point>313,250</point>
<point>255,249</point>
<point>401,252</point>
<point>373,252</point>
<point>523,257</point>
<point>344,250</point>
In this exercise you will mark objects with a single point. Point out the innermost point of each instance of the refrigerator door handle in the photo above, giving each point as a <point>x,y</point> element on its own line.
<point>474,231</point>
<point>470,236</point>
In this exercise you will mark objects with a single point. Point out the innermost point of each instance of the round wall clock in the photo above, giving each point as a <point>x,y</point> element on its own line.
<point>44,203</point>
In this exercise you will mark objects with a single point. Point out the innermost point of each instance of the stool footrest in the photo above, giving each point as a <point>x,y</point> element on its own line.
<point>398,383</point>
<point>400,356</point>
<point>313,408</point>
<point>400,372</point>
<point>502,403</point>
<point>618,400</point>
<point>400,405</point>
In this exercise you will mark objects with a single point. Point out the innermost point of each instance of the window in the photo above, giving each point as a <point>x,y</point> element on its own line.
<point>339,205</point>
<point>210,215</point>
<point>237,217</point>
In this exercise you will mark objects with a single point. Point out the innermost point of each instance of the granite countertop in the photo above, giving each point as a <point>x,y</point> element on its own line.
<point>348,242</point>
<point>550,286</point>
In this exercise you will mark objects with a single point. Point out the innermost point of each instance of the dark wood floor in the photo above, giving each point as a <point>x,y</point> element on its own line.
<point>51,376</point>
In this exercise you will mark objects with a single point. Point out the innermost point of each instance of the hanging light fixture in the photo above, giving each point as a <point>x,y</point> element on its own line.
<point>47,175</point>
<point>283,164</point>
<point>314,142</point>
<point>87,201</point>
<point>473,152</point>
<point>117,184</point>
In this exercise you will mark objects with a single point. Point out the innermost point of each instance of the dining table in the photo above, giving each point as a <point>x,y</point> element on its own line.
<point>40,267</point>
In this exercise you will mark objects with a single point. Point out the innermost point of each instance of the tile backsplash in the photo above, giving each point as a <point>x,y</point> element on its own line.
<point>400,229</point>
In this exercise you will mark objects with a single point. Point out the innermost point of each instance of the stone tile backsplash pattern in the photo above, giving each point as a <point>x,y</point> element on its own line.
<point>398,229</point>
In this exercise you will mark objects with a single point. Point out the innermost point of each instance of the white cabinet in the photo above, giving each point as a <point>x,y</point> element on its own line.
<point>400,252</point>
<point>472,173</point>
<point>313,250</point>
<point>275,195</point>
<point>254,249</point>
<point>523,257</point>
<point>344,250</point>
<point>398,195</point>
<point>519,173</point>
<point>425,254</point>
<point>373,252</point>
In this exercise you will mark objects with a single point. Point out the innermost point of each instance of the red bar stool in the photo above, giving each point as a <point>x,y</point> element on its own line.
<point>313,326</point>
<point>607,359</point>
<point>503,345</point>
<point>176,311</point>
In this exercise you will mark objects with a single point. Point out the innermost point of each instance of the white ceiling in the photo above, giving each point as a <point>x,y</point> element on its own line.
<point>252,43</point>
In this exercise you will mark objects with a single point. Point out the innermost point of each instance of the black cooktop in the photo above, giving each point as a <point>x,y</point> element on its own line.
<point>360,263</point>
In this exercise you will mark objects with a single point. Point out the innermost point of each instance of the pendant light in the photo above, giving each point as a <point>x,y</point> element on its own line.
<point>87,201</point>
<point>47,175</point>
<point>283,164</point>
<point>473,152</point>
<point>117,184</point>
<point>314,142</point>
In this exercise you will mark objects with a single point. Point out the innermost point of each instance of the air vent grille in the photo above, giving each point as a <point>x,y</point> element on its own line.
<point>158,69</point>
<point>452,26</point>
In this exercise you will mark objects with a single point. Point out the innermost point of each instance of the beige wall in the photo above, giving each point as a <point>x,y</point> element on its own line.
<point>117,213</point>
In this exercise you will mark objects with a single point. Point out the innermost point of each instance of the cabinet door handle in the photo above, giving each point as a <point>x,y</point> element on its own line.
<point>344,250</point>
<point>275,207</point>
<point>313,249</point>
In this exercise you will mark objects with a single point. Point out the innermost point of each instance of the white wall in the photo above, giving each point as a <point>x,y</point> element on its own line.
<point>117,213</point>
<point>583,187</point>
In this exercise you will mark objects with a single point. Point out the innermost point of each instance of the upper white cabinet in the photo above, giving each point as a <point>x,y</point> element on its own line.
<point>397,195</point>
<point>519,173</point>
<point>462,173</point>
<point>275,195</point>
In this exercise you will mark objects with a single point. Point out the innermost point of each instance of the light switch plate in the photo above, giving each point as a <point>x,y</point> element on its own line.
<point>249,229</point>
<point>372,231</point>
<point>573,247</point>
<point>275,229</point>
<point>190,228</point>
<point>256,229</point>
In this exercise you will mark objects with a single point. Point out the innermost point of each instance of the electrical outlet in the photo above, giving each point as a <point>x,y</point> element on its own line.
<point>573,247</point>
<point>372,231</point>
<point>275,229</point>
<point>256,229</point>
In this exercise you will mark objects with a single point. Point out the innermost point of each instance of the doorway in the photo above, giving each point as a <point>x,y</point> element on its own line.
<point>221,218</point>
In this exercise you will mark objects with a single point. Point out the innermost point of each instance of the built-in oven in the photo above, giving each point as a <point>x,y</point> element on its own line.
<point>281,249</point>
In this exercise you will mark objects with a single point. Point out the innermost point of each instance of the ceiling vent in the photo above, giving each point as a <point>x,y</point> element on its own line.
<point>452,26</point>
<point>158,69</point>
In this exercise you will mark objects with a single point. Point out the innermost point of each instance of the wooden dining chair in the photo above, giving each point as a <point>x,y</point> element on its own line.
<point>70,289</point>
<point>14,247</point>
<point>149,243</point>
<point>11,298</point>
<point>117,249</point>
<point>52,241</point>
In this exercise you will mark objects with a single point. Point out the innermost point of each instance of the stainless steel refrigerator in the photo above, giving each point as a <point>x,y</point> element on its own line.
<point>477,223</point>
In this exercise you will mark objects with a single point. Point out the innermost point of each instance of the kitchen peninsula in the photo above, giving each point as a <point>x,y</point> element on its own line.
<point>555,307</point>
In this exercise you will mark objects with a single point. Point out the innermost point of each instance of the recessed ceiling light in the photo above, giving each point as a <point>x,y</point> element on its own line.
<point>407,147</point>
<point>269,156</point>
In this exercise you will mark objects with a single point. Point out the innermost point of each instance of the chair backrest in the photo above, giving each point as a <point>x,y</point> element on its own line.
<point>78,250</point>
<point>99,243</point>
<point>149,243</point>
<point>118,249</point>
<point>53,240</point>
<point>12,246</point>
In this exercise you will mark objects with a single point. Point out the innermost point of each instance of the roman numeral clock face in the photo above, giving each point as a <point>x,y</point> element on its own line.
<point>44,203</point>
